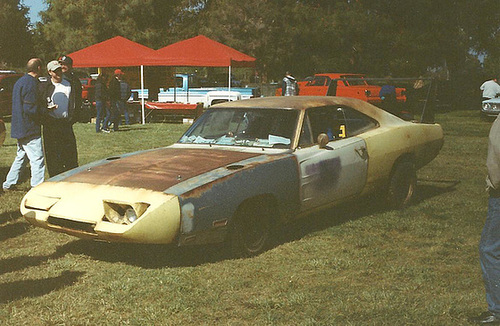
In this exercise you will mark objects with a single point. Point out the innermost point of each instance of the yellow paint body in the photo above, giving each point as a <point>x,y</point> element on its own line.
<point>84,203</point>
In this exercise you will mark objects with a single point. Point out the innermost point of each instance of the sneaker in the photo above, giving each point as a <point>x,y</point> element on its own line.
<point>106,131</point>
<point>486,318</point>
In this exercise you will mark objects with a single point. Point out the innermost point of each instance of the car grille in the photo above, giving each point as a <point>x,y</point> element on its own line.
<point>73,225</point>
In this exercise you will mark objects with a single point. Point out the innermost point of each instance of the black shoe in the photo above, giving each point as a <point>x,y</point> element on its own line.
<point>486,318</point>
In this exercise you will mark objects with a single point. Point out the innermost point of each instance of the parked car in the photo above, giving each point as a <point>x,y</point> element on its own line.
<point>239,172</point>
<point>7,81</point>
<point>490,108</point>
<point>343,84</point>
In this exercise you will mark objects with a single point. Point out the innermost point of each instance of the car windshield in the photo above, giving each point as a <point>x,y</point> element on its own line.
<point>244,127</point>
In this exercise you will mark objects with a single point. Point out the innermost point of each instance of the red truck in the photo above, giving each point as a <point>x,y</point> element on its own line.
<point>343,84</point>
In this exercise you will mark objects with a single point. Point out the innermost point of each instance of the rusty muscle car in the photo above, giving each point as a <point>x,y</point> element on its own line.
<point>241,171</point>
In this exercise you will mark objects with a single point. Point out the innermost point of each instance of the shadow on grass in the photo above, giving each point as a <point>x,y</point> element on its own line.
<point>13,230</point>
<point>160,256</point>
<point>145,256</point>
<point>129,128</point>
<point>8,217</point>
<point>36,288</point>
<point>429,188</point>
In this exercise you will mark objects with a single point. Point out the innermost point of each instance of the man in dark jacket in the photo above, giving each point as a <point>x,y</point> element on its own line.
<point>26,127</point>
<point>115,98</point>
<point>58,98</point>
<point>67,69</point>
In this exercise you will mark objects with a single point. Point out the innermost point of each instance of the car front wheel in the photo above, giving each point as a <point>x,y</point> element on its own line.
<point>251,232</point>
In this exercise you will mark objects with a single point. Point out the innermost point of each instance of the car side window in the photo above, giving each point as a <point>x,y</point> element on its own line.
<point>337,122</point>
<point>356,122</point>
<point>306,138</point>
<point>318,81</point>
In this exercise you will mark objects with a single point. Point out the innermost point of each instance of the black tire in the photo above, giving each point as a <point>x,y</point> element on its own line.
<point>251,231</point>
<point>401,185</point>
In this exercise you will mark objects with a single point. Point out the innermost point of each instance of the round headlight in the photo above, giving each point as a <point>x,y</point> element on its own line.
<point>130,215</point>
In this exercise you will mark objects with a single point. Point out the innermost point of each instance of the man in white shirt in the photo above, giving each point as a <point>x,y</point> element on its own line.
<point>57,97</point>
<point>490,89</point>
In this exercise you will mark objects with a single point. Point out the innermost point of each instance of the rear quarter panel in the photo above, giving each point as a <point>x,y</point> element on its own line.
<point>387,144</point>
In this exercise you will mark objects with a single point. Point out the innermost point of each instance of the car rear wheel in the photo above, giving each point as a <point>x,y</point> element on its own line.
<point>251,232</point>
<point>401,185</point>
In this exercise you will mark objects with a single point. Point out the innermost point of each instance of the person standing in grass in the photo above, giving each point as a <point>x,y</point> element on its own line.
<point>57,97</point>
<point>489,246</point>
<point>114,92</point>
<point>26,127</point>
<point>103,114</point>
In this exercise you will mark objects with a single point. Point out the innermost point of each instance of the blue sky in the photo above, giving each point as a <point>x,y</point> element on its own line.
<point>35,7</point>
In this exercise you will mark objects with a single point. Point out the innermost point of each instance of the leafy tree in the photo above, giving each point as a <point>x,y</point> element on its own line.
<point>15,38</point>
<point>70,25</point>
<point>402,38</point>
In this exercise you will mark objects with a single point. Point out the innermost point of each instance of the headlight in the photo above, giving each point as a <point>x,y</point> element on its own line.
<point>486,106</point>
<point>123,213</point>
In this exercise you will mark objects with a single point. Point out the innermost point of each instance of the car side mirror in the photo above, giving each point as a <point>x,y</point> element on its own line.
<point>323,140</point>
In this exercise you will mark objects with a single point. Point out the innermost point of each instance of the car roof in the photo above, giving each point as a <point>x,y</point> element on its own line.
<point>3,75</point>
<point>307,102</point>
<point>335,75</point>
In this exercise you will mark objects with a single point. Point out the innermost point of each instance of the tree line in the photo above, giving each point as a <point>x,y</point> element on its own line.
<point>455,40</point>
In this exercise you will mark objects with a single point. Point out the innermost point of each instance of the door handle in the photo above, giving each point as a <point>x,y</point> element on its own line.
<point>362,152</point>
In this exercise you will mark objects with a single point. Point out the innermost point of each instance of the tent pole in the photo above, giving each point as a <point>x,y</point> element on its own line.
<point>175,86</point>
<point>142,97</point>
<point>229,85</point>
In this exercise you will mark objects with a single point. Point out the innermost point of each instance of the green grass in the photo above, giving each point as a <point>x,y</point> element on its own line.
<point>351,265</point>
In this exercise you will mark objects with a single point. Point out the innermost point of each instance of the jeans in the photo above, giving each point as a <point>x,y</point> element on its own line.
<point>115,114</point>
<point>122,107</point>
<point>99,116</point>
<point>489,254</point>
<point>28,149</point>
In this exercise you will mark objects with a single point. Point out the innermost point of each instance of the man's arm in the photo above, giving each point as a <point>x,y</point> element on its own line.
<point>29,100</point>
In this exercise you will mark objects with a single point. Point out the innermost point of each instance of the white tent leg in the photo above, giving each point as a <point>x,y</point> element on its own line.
<point>229,85</point>
<point>142,97</point>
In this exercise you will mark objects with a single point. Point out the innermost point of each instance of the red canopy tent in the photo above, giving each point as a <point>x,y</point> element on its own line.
<point>200,51</point>
<point>115,52</point>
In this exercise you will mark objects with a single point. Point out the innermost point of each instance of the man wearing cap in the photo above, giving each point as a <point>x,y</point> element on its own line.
<point>67,69</point>
<point>57,98</point>
<point>115,98</point>
<point>26,116</point>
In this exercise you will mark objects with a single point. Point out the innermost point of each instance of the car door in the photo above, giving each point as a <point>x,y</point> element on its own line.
<point>336,171</point>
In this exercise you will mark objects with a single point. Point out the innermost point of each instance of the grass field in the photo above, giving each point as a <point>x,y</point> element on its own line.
<point>352,265</point>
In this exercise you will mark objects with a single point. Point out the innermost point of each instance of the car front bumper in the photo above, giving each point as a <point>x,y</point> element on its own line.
<point>102,212</point>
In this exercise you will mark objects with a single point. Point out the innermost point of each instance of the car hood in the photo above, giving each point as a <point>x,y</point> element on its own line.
<point>492,100</point>
<point>155,170</point>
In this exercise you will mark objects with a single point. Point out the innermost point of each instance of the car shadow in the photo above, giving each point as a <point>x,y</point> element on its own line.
<point>35,288</point>
<point>161,256</point>
<point>142,255</point>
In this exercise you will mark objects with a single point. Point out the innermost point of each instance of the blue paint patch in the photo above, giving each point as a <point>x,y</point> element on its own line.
<point>327,173</point>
